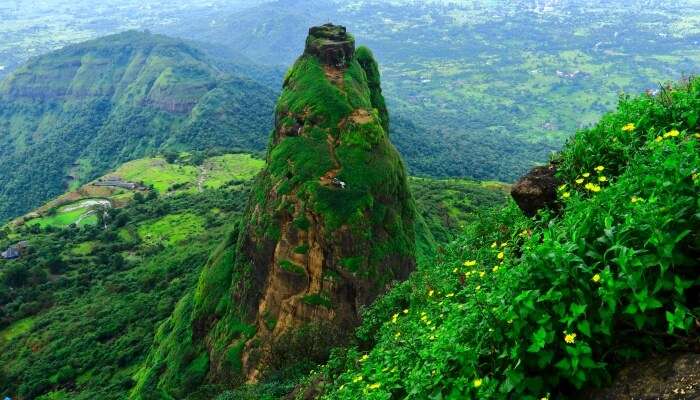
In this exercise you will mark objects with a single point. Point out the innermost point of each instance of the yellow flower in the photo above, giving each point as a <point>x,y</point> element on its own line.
<point>580,180</point>
<point>504,244</point>
<point>586,175</point>
<point>697,136</point>
<point>593,187</point>
<point>374,386</point>
<point>600,168</point>
<point>358,378</point>
<point>569,337</point>
<point>405,311</point>
<point>562,187</point>
<point>394,318</point>
<point>602,179</point>
<point>495,269</point>
<point>672,133</point>
<point>450,295</point>
<point>364,358</point>
<point>629,127</point>
<point>470,263</point>
<point>493,246</point>
<point>455,270</point>
<point>658,139</point>
<point>500,255</point>
<point>566,195</point>
<point>482,274</point>
<point>430,293</point>
<point>596,278</point>
<point>477,382</point>
<point>635,199</point>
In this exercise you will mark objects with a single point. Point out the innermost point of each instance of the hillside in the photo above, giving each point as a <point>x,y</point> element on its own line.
<point>69,116</point>
<point>545,307</point>
<point>104,265</point>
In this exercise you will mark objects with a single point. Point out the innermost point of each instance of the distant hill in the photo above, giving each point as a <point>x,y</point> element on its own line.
<point>68,116</point>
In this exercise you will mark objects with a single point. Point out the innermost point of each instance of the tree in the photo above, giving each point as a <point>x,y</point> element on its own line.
<point>16,276</point>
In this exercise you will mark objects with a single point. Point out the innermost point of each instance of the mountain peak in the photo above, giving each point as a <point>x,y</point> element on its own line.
<point>331,44</point>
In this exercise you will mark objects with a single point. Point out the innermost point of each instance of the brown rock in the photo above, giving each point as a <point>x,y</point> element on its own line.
<point>331,44</point>
<point>536,190</point>
<point>671,377</point>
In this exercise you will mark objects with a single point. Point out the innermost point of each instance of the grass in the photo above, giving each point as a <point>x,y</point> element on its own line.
<point>83,249</point>
<point>18,328</point>
<point>158,173</point>
<point>171,229</point>
<point>60,220</point>
<point>231,167</point>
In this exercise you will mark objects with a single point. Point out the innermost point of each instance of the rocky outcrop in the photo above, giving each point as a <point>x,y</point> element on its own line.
<point>670,377</point>
<point>326,262</point>
<point>536,190</point>
<point>331,44</point>
<point>329,226</point>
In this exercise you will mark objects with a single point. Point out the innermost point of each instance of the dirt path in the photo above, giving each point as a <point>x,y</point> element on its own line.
<point>335,75</point>
<point>202,176</point>
<point>327,178</point>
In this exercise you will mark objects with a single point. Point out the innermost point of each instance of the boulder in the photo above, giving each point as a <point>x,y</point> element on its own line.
<point>536,190</point>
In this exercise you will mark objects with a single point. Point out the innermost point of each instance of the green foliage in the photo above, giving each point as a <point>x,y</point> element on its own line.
<point>318,300</point>
<point>449,205</point>
<point>520,308</point>
<point>87,300</point>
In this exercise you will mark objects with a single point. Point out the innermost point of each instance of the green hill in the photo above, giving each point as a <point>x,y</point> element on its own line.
<point>69,116</point>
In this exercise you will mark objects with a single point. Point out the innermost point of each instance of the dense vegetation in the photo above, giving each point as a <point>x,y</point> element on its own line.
<point>543,307</point>
<point>69,116</point>
<point>78,310</point>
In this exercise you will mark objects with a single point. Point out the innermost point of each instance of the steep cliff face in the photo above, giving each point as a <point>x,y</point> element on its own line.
<point>330,224</point>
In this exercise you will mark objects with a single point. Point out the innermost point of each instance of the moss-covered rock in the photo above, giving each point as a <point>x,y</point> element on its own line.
<point>331,223</point>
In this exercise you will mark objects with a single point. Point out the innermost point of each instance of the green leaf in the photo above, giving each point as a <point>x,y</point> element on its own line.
<point>578,309</point>
<point>538,340</point>
<point>585,328</point>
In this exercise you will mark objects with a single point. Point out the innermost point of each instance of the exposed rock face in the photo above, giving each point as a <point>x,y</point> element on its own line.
<point>536,190</point>
<point>675,377</point>
<point>331,44</point>
<point>329,226</point>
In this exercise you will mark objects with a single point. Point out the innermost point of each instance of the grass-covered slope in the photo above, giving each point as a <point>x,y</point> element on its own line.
<point>79,309</point>
<point>543,307</point>
<point>72,114</point>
